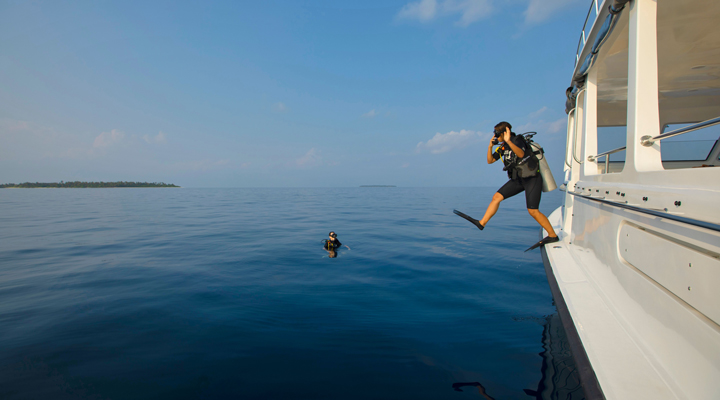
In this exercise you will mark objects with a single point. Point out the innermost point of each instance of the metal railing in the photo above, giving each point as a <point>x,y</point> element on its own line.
<point>576,120</point>
<point>690,221</point>
<point>586,26</point>
<point>570,128</point>
<point>607,156</point>
<point>648,140</point>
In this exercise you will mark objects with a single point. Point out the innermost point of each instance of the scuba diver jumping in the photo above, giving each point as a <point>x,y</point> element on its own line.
<point>523,169</point>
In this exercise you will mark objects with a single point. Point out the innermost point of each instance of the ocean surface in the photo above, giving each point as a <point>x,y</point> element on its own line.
<point>227,293</point>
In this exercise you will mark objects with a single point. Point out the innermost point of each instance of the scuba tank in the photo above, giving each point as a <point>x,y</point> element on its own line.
<point>539,154</point>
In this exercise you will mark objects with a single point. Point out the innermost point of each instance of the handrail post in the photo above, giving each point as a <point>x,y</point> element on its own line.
<point>607,162</point>
<point>589,130</point>
<point>643,112</point>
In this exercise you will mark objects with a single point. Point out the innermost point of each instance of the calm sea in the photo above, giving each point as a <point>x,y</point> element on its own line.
<point>228,293</point>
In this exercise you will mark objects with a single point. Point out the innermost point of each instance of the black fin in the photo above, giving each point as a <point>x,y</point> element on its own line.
<point>543,242</point>
<point>535,246</point>
<point>469,218</point>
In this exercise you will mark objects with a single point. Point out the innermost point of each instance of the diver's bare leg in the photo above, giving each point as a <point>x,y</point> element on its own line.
<point>492,208</point>
<point>543,221</point>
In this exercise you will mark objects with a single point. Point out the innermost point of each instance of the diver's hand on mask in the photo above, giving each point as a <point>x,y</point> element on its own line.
<point>506,135</point>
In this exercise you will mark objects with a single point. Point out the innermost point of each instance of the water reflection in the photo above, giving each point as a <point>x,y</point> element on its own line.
<point>481,388</point>
<point>560,379</point>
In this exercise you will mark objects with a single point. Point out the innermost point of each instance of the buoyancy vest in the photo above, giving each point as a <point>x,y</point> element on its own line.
<point>526,167</point>
<point>331,245</point>
<point>529,166</point>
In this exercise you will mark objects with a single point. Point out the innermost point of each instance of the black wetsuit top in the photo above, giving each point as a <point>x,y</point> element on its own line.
<point>332,245</point>
<point>508,156</point>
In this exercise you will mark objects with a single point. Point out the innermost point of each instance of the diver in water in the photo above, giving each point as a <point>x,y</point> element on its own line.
<point>523,170</point>
<point>332,242</point>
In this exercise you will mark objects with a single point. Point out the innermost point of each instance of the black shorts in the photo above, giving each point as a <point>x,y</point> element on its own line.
<point>532,187</point>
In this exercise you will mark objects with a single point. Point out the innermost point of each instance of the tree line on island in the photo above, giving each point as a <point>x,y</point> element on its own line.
<point>78,184</point>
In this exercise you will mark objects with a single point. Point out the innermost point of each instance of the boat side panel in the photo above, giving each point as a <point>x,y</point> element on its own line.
<point>689,274</point>
<point>681,343</point>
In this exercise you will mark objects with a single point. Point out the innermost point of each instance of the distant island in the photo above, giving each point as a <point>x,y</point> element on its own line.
<point>378,186</point>
<point>78,184</point>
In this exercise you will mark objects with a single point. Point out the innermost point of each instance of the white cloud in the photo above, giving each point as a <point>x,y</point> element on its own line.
<point>444,142</point>
<point>557,126</point>
<point>537,113</point>
<point>540,125</point>
<point>370,114</point>
<point>470,10</point>
<point>423,10</point>
<point>541,10</point>
<point>279,107</point>
<point>426,10</point>
<point>29,140</point>
<point>310,159</point>
<point>159,138</point>
<point>106,139</point>
<point>9,125</point>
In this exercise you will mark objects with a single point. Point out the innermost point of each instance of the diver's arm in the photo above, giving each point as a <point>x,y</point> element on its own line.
<point>518,151</point>
<point>490,158</point>
<point>515,149</point>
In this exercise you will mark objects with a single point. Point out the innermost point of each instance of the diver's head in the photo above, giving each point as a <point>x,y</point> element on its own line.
<point>332,235</point>
<point>500,130</point>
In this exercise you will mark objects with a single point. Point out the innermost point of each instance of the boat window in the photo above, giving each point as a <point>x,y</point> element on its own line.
<point>692,146</point>
<point>612,96</point>
<point>687,150</point>
<point>689,90</point>
<point>609,138</point>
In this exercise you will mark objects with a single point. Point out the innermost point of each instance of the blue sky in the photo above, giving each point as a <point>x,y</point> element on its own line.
<point>279,93</point>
